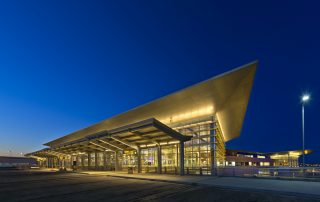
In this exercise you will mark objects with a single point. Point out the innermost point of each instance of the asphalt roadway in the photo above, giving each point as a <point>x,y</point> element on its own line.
<point>61,187</point>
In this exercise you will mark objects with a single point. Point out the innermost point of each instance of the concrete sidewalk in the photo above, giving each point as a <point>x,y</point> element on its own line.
<point>288,187</point>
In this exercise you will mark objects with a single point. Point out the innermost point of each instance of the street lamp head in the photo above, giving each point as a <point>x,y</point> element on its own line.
<point>305,98</point>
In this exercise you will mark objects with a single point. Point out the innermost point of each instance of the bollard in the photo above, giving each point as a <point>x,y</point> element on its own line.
<point>130,170</point>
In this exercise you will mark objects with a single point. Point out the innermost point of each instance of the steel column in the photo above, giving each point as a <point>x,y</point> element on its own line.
<point>181,158</point>
<point>117,161</point>
<point>82,162</point>
<point>104,160</point>
<point>139,159</point>
<point>89,160</point>
<point>159,168</point>
<point>213,150</point>
<point>96,160</point>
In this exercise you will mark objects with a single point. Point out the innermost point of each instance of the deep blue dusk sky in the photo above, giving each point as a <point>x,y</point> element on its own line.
<point>65,65</point>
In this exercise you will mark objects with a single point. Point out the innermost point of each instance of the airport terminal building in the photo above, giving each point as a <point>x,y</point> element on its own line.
<point>183,132</point>
<point>264,159</point>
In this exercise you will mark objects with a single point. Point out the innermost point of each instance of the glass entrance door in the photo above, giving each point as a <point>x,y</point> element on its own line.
<point>149,160</point>
<point>169,159</point>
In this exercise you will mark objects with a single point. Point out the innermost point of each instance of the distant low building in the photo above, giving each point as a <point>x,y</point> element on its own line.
<point>7,162</point>
<point>260,159</point>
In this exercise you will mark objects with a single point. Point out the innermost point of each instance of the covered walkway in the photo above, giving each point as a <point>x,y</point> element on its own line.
<point>139,147</point>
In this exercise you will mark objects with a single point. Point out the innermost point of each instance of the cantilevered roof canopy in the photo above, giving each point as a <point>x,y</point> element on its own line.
<point>46,152</point>
<point>141,134</point>
<point>226,96</point>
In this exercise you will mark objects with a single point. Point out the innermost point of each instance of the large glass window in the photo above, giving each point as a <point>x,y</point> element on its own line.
<point>100,159</point>
<point>206,137</point>
<point>197,150</point>
<point>130,159</point>
<point>169,158</point>
<point>149,159</point>
<point>110,160</point>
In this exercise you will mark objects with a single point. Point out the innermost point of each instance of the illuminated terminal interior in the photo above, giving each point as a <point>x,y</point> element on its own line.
<point>260,159</point>
<point>182,133</point>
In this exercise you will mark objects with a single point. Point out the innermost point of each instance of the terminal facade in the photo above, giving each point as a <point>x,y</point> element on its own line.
<point>13,162</point>
<point>184,132</point>
<point>263,159</point>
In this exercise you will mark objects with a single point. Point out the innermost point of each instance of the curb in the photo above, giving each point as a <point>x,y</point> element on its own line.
<point>148,179</point>
<point>303,195</point>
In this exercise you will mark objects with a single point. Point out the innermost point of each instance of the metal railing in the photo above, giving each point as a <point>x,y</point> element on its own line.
<point>270,172</point>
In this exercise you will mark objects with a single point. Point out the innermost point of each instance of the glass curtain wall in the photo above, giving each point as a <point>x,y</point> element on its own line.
<point>100,161</point>
<point>92,158</point>
<point>130,160</point>
<point>149,160</point>
<point>285,160</point>
<point>219,142</point>
<point>110,160</point>
<point>198,150</point>
<point>85,161</point>
<point>169,157</point>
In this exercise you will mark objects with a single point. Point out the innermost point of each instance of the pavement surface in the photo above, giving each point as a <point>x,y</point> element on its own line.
<point>288,187</point>
<point>55,186</point>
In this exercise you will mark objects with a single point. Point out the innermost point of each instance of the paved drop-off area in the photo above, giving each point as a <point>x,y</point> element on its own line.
<point>60,187</point>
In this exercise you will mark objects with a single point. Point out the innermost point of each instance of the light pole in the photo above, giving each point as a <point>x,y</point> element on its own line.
<point>304,100</point>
